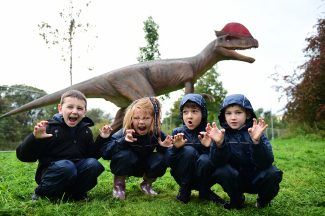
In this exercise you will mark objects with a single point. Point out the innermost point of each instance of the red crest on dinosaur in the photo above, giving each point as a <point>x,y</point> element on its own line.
<point>234,29</point>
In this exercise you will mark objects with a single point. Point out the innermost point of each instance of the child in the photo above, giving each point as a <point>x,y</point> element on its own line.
<point>65,150</point>
<point>137,149</point>
<point>189,157</point>
<point>242,154</point>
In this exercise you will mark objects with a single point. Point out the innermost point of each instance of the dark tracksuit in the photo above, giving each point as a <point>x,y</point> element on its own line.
<point>144,156</point>
<point>67,160</point>
<point>241,165</point>
<point>190,162</point>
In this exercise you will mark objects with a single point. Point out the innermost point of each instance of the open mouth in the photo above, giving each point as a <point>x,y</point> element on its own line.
<point>142,129</point>
<point>73,118</point>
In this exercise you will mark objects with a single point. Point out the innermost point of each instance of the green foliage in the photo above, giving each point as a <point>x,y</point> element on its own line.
<point>151,50</point>
<point>301,191</point>
<point>172,120</point>
<point>294,129</point>
<point>98,115</point>
<point>209,84</point>
<point>14,128</point>
<point>305,89</point>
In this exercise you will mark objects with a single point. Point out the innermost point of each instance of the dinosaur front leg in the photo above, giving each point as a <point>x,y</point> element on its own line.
<point>118,120</point>
<point>189,87</point>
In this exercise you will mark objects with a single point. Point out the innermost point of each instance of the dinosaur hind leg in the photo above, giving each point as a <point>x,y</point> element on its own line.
<point>118,121</point>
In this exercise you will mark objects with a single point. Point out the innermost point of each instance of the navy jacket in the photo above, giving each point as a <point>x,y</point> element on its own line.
<point>238,149</point>
<point>66,143</point>
<point>192,135</point>
<point>143,147</point>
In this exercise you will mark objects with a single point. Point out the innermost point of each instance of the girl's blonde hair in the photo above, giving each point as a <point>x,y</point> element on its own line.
<point>152,106</point>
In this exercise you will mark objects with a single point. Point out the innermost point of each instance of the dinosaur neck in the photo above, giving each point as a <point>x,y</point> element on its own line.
<point>205,60</point>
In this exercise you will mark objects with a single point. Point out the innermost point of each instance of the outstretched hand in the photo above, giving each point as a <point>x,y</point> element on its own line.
<point>216,134</point>
<point>129,135</point>
<point>179,140</point>
<point>105,131</point>
<point>40,130</point>
<point>205,139</point>
<point>168,142</point>
<point>257,130</point>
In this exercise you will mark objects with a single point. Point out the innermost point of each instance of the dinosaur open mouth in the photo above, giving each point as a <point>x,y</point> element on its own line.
<point>241,57</point>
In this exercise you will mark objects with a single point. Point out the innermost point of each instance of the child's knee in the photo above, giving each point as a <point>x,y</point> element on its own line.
<point>66,168</point>
<point>94,164</point>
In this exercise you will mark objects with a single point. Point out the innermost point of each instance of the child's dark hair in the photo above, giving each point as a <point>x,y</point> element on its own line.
<point>74,94</point>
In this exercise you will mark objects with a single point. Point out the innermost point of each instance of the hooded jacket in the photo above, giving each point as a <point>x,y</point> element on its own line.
<point>192,135</point>
<point>238,149</point>
<point>143,147</point>
<point>66,143</point>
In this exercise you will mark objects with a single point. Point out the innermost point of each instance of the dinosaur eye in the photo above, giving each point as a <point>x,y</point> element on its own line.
<point>230,37</point>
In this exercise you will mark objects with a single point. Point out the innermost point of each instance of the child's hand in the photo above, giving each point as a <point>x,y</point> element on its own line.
<point>179,140</point>
<point>40,130</point>
<point>129,135</point>
<point>257,130</point>
<point>168,142</point>
<point>205,139</point>
<point>105,131</point>
<point>216,134</point>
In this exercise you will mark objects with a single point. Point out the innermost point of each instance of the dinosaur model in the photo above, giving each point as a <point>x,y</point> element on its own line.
<point>157,77</point>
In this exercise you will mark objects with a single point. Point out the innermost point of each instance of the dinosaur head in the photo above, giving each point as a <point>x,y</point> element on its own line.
<point>235,36</point>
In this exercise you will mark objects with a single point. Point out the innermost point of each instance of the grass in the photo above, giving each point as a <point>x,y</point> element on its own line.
<point>302,189</point>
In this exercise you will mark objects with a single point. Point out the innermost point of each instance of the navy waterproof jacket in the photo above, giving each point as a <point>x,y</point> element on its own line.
<point>192,135</point>
<point>144,146</point>
<point>238,149</point>
<point>66,143</point>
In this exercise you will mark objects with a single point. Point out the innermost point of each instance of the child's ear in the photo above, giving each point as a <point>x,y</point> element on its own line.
<point>60,108</point>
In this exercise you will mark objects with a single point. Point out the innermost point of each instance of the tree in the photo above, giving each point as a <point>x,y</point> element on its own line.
<point>209,84</point>
<point>306,91</point>
<point>206,85</point>
<point>150,51</point>
<point>65,35</point>
<point>98,115</point>
<point>14,128</point>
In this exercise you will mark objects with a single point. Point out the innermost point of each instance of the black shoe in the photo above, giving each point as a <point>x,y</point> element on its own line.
<point>260,203</point>
<point>80,197</point>
<point>211,196</point>
<point>184,194</point>
<point>235,203</point>
<point>35,197</point>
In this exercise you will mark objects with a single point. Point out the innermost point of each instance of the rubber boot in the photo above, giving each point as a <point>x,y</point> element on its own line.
<point>184,193</point>
<point>146,186</point>
<point>119,187</point>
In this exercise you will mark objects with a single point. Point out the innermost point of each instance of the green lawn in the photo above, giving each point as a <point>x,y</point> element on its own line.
<point>302,189</point>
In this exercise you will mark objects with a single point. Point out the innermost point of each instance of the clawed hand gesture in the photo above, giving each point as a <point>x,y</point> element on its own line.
<point>205,139</point>
<point>168,142</point>
<point>105,131</point>
<point>129,135</point>
<point>178,140</point>
<point>40,130</point>
<point>216,134</point>
<point>257,130</point>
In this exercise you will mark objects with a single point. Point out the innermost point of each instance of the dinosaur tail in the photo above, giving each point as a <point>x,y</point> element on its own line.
<point>40,102</point>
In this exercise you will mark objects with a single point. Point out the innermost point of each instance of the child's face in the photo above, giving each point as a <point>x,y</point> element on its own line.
<point>235,116</point>
<point>192,116</point>
<point>73,110</point>
<point>141,121</point>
